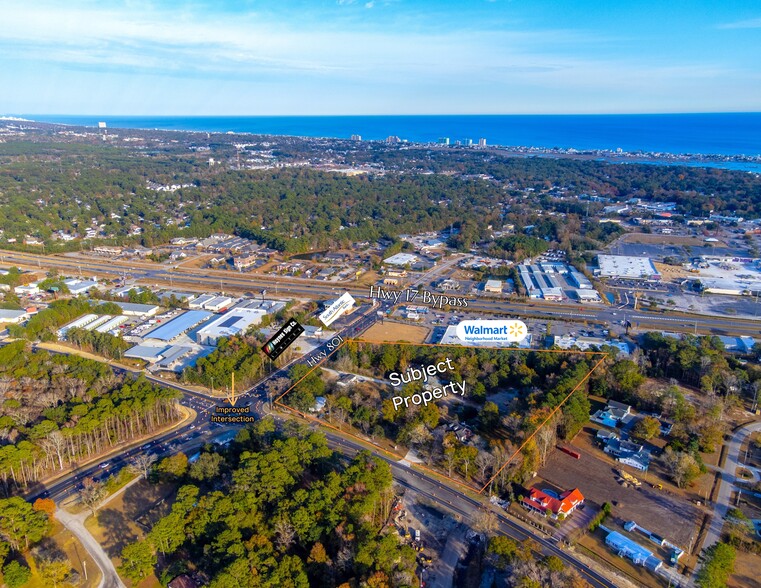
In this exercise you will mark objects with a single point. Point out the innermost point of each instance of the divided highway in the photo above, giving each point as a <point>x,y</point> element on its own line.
<point>214,280</point>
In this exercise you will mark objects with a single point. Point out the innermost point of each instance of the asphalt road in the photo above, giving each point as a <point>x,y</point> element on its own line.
<point>467,508</point>
<point>214,280</point>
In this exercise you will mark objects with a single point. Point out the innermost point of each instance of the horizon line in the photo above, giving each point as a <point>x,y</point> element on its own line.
<point>675,113</point>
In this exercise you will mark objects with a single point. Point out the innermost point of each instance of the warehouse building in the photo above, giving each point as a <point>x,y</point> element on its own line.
<point>218,303</point>
<point>199,302</point>
<point>149,353</point>
<point>268,306</point>
<point>625,547</point>
<point>131,309</point>
<point>234,322</point>
<point>179,325</point>
<point>13,317</point>
<point>493,286</point>
<point>401,259</point>
<point>77,287</point>
<point>112,323</point>
<point>79,323</point>
<point>626,266</point>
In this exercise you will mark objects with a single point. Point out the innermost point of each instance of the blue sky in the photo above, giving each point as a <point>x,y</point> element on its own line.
<point>274,57</point>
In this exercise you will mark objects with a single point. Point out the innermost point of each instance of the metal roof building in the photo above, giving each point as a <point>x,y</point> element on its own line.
<point>79,323</point>
<point>201,300</point>
<point>625,547</point>
<point>12,316</point>
<point>131,309</point>
<point>234,322</point>
<point>401,259</point>
<point>626,266</point>
<point>146,352</point>
<point>80,286</point>
<point>218,303</point>
<point>112,323</point>
<point>178,325</point>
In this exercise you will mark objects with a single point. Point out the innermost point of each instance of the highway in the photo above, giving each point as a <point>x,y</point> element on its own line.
<point>203,280</point>
<point>191,436</point>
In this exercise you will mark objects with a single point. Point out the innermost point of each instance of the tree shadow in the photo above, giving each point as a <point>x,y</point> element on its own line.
<point>116,531</point>
<point>143,498</point>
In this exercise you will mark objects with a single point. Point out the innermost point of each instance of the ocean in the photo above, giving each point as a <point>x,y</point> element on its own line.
<point>709,134</point>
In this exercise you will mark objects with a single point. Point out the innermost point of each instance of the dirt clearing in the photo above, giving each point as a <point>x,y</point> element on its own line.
<point>392,332</point>
<point>668,515</point>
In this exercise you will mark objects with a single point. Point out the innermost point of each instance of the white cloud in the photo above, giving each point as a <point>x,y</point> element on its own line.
<point>754,23</point>
<point>349,65</point>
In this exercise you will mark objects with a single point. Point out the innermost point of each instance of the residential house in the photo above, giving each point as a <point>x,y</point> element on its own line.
<point>616,414</point>
<point>558,506</point>
<point>628,453</point>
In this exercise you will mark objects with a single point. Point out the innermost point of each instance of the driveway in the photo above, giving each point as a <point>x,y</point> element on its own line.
<point>75,524</point>
<point>727,482</point>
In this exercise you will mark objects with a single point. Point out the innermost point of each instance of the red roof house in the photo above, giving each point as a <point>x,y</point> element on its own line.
<point>559,505</point>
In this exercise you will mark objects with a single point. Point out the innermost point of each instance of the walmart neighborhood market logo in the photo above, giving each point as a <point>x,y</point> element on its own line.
<point>508,331</point>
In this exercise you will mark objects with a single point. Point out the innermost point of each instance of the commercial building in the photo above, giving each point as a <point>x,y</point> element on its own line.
<point>79,323</point>
<point>738,344</point>
<point>105,250</point>
<point>401,259</point>
<point>450,338</point>
<point>234,322</point>
<point>198,303</point>
<point>178,325</point>
<point>218,303</point>
<point>587,343</point>
<point>547,502</point>
<point>131,309</point>
<point>13,317</point>
<point>149,353</point>
<point>625,547</point>
<point>626,266</point>
<point>493,286</point>
<point>77,287</point>
<point>27,289</point>
<point>588,296</point>
<point>268,306</point>
<point>112,323</point>
<point>548,280</point>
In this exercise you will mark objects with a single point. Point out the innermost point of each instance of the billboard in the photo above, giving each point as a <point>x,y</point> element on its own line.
<point>281,340</point>
<point>336,309</point>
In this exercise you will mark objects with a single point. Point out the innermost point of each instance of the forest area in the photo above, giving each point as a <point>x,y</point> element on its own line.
<point>50,185</point>
<point>277,508</point>
<point>58,410</point>
<point>692,383</point>
<point>540,382</point>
